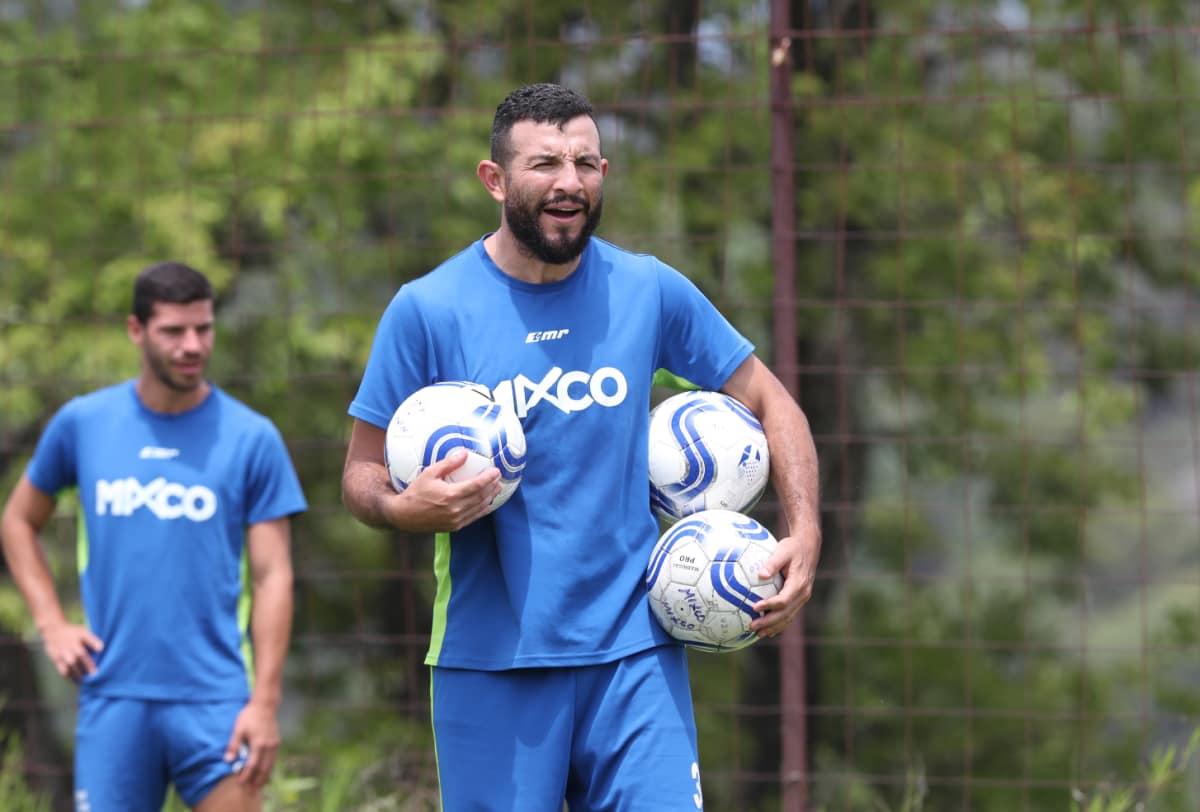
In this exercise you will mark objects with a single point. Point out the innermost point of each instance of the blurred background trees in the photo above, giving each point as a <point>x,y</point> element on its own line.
<point>996,285</point>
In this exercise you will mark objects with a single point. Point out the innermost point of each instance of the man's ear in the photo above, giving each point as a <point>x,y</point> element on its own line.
<point>134,328</point>
<point>492,176</point>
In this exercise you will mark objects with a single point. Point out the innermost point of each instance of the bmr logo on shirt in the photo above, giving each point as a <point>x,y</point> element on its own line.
<point>545,335</point>
<point>166,500</point>
<point>153,452</point>
<point>569,392</point>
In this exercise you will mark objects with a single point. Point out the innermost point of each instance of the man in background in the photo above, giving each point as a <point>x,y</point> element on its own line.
<point>185,498</point>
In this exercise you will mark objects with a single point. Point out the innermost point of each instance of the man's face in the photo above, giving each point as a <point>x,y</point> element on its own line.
<point>176,342</point>
<point>554,187</point>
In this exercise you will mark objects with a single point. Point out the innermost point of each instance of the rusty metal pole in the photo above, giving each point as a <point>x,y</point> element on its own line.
<point>793,768</point>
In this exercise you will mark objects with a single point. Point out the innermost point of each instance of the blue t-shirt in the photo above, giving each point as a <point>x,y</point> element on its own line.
<point>165,501</point>
<point>555,575</point>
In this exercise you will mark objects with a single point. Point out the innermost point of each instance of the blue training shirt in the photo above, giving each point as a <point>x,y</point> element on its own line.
<point>554,576</point>
<point>165,501</point>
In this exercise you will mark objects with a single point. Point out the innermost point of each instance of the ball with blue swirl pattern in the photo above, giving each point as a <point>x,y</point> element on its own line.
<point>441,417</point>
<point>707,451</point>
<point>702,580</point>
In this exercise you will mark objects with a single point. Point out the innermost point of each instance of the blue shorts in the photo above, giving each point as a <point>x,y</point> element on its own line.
<point>618,736</point>
<point>127,751</point>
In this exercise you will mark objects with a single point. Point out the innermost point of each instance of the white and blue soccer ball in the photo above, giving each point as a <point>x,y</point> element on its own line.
<point>436,419</point>
<point>702,579</point>
<point>707,451</point>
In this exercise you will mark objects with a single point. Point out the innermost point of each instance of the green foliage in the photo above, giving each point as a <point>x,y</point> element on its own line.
<point>15,794</point>
<point>13,612</point>
<point>994,305</point>
<point>1159,789</point>
<point>1166,768</point>
<point>990,250</point>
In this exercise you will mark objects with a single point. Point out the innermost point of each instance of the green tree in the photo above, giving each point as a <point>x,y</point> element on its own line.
<point>990,308</point>
<point>994,300</point>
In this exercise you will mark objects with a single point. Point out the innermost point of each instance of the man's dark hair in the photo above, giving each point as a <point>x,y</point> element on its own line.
<point>171,282</point>
<point>539,103</point>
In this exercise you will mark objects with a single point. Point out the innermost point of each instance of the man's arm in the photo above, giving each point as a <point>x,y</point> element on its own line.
<point>69,646</point>
<point>794,473</point>
<point>268,545</point>
<point>429,504</point>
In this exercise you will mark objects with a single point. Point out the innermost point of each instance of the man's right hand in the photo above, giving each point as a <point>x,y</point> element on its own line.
<point>69,647</point>
<point>434,503</point>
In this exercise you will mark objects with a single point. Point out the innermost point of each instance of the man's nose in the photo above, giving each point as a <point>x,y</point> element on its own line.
<point>192,341</point>
<point>567,180</point>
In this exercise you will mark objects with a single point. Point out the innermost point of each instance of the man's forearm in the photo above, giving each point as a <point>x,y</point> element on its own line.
<point>31,573</point>
<point>271,628</point>
<point>364,486</point>
<point>794,467</point>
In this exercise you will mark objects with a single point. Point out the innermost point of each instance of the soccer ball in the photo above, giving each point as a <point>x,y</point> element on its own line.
<point>703,579</point>
<point>435,420</point>
<point>707,451</point>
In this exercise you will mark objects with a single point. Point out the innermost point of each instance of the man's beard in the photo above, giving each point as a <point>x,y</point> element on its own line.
<point>522,219</point>
<point>162,370</point>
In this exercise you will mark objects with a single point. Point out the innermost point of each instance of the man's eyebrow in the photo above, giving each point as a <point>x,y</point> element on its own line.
<point>557,156</point>
<point>173,325</point>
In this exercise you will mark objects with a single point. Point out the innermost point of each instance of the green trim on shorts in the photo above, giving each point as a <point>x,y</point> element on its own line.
<point>437,763</point>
